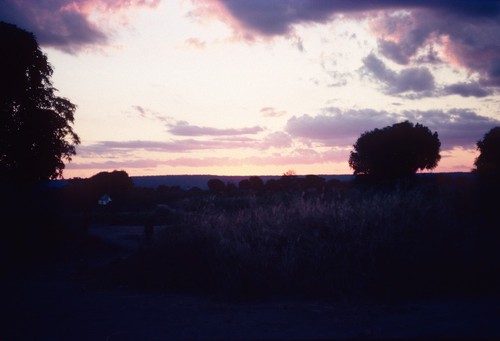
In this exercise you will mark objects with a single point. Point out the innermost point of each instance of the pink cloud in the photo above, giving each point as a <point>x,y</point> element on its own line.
<point>65,24</point>
<point>467,41</point>
<point>183,128</point>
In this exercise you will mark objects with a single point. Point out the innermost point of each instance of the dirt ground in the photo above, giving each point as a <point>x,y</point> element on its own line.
<point>50,301</point>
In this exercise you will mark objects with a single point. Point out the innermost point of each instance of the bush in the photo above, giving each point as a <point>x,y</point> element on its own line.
<point>412,242</point>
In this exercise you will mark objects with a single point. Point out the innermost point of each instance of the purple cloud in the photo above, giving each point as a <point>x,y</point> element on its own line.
<point>456,128</point>
<point>467,90</point>
<point>63,24</point>
<point>416,82</point>
<point>335,127</point>
<point>468,30</point>
<point>115,149</point>
<point>277,17</point>
<point>470,41</point>
<point>182,128</point>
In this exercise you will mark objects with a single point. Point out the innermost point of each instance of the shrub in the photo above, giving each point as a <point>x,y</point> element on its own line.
<point>354,243</point>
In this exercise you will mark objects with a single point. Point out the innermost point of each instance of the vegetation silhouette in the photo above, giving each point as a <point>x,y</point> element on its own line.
<point>36,138</point>
<point>488,161</point>
<point>395,151</point>
<point>339,240</point>
<point>216,185</point>
<point>36,135</point>
<point>85,193</point>
<point>487,168</point>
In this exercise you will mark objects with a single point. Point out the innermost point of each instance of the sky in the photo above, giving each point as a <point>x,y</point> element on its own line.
<point>261,87</point>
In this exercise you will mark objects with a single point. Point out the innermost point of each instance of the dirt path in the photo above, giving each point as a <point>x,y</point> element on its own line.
<point>48,302</point>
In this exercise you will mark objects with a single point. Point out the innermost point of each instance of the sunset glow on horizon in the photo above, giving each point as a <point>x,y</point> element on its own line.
<point>262,87</point>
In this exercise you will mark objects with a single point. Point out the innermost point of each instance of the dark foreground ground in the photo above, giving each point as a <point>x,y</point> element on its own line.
<point>56,301</point>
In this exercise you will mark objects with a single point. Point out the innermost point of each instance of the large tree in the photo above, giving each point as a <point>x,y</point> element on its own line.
<point>395,151</point>
<point>488,161</point>
<point>36,135</point>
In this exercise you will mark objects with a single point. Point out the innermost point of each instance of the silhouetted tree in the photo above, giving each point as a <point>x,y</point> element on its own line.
<point>110,183</point>
<point>312,181</point>
<point>395,151</point>
<point>231,187</point>
<point>216,185</point>
<point>256,183</point>
<point>488,161</point>
<point>84,193</point>
<point>35,131</point>
<point>244,185</point>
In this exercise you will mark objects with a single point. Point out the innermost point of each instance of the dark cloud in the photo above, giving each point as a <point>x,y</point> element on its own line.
<point>403,51</point>
<point>183,128</point>
<point>467,40</point>
<point>63,24</point>
<point>467,90</point>
<point>277,17</point>
<point>415,82</point>
<point>456,128</point>
<point>468,30</point>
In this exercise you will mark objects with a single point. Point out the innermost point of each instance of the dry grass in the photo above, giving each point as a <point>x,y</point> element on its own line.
<point>353,243</point>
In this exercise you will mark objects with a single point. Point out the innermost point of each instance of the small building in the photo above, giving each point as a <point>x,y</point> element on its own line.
<point>104,200</point>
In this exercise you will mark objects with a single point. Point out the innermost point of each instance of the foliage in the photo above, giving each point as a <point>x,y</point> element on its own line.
<point>395,151</point>
<point>254,183</point>
<point>84,193</point>
<point>488,161</point>
<point>110,182</point>
<point>216,185</point>
<point>348,243</point>
<point>35,125</point>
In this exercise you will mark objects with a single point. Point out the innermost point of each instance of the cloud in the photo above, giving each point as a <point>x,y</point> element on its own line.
<point>182,128</point>
<point>467,90</point>
<point>116,149</point>
<point>467,40</point>
<point>148,113</point>
<point>336,127</point>
<point>277,139</point>
<point>113,164</point>
<point>467,31</point>
<point>278,17</point>
<point>456,128</point>
<point>417,82</point>
<point>294,157</point>
<point>65,24</point>
<point>412,82</point>
<point>176,146</point>
<point>272,112</point>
